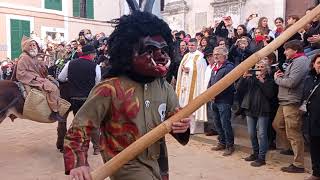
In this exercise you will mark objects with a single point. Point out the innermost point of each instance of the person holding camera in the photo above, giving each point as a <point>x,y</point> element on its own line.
<point>225,30</point>
<point>312,115</point>
<point>240,51</point>
<point>288,120</point>
<point>258,88</point>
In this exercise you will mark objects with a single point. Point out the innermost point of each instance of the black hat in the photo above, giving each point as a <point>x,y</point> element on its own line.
<point>208,51</point>
<point>88,49</point>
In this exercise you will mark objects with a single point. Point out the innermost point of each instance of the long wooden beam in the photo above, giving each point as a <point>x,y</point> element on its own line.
<point>151,137</point>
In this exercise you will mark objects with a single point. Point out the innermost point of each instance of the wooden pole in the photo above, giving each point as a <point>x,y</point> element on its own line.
<point>151,137</point>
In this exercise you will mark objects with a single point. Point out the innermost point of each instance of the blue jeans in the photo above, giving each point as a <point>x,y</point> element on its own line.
<point>222,122</point>
<point>260,142</point>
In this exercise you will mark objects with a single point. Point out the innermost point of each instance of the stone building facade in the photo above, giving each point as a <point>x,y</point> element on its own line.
<point>193,15</point>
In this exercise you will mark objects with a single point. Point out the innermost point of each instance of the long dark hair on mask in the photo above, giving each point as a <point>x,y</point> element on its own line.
<point>126,36</point>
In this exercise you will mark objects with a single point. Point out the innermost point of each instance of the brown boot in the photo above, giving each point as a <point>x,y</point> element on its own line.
<point>55,116</point>
<point>219,147</point>
<point>228,151</point>
<point>211,133</point>
<point>292,169</point>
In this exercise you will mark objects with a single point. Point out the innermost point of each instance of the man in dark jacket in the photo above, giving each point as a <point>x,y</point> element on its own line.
<point>311,99</point>
<point>82,74</point>
<point>222,103</point>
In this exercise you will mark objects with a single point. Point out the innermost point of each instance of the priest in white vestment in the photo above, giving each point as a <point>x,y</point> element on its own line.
<point>190,84</point>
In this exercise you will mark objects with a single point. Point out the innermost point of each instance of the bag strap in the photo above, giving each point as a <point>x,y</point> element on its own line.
<point>312,92</point>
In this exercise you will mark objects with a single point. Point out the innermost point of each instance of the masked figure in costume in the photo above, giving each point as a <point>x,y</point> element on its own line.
<point>131,102</point>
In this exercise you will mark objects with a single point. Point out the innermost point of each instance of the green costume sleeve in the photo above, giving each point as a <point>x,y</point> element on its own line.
<point>173,103</point>
<point>89,117</point>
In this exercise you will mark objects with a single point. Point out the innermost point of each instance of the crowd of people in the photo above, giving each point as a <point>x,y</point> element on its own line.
<point>278,96</point>
<point>54,58</point>
<point>55,55</point>
<point>270,95</point>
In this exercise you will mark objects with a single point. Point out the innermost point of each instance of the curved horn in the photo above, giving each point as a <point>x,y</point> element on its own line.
<point>147,5</point>
<point>133,5</point>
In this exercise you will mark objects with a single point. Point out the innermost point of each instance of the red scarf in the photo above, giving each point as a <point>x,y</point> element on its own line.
<point>259,38</point>
<point>86,57</point>
<point>279,30</point>
<point>216,67</point>
<point>297,55</point>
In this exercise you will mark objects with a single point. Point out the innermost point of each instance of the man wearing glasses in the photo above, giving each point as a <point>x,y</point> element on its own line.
<point>221,104</point>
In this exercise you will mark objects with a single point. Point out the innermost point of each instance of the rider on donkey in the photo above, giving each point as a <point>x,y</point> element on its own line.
<point>30,72</point>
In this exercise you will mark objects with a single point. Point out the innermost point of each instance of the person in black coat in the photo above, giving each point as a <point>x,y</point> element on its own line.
<point>312,121</point>
<point>274,67</point>
<point>239,51</point>
<point>178,52</point>
<point>258,88</point>
<point>82,74</point>
<point>226,31</point>
<point>241,31</point>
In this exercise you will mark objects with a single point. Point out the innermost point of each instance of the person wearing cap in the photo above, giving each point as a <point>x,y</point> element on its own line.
<point>82,74</point>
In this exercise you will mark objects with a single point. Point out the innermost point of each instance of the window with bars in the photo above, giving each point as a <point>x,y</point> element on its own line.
<point>83,8</point>
<point>53,4</point>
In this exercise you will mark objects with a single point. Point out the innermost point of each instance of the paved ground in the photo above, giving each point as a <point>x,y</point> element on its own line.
<point>28,152</point>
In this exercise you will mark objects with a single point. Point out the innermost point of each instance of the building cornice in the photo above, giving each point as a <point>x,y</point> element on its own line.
<point>176,7</point>
<point>217,3</point>
<point>224,7</point>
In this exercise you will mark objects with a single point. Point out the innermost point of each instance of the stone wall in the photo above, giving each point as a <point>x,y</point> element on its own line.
<point>191,15</point>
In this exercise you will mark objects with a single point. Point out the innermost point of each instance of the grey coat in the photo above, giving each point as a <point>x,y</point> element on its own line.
<point>291,84</point>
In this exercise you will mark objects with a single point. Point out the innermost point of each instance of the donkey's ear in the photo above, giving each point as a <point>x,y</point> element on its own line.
<point>147,5</point>
<point>133,5</point>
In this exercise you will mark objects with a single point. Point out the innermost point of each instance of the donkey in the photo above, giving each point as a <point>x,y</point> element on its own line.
<point>11,100</point>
